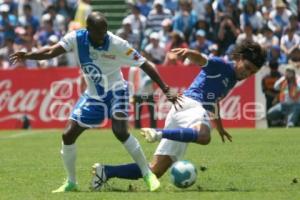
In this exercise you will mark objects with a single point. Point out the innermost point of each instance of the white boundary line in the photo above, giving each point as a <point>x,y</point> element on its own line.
<point>27,133</point>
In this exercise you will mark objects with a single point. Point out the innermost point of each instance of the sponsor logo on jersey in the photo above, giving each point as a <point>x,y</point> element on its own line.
<point>92,71</point>
<point>108,56</point>
<point>129,51</point>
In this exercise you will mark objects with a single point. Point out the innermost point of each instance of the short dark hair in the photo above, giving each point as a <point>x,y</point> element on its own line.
<point>97,18</point>
<point>251,51</point>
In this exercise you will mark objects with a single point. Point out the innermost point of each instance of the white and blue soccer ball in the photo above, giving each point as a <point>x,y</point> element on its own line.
<point>183,174</point>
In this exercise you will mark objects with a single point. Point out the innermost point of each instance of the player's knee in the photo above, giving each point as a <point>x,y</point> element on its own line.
<point>68,138</point>
<point>71,132</point>
<point>204,139</point>
<point>204,135</point>
<point>120,133</point>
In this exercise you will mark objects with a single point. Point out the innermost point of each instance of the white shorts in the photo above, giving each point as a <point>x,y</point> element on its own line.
<point>191,114</point>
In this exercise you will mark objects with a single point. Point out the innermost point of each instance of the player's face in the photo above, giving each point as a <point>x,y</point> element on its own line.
<point>245,69</point>
<point>97,35</point>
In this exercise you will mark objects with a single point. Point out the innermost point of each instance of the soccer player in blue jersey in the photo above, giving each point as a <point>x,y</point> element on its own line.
<point>191,122</point>
<point>100,54</point>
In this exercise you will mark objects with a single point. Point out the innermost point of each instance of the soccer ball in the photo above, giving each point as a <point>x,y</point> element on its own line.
<point>183,174</point>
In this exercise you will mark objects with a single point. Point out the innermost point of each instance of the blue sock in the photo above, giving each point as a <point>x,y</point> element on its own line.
<point>180,134</point>
<point>128,171</point>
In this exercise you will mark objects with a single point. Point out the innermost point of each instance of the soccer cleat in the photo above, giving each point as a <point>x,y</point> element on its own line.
<point>99,177</point>
<point>67,187</point>
<point>152,182</point>
<point>150,134</point>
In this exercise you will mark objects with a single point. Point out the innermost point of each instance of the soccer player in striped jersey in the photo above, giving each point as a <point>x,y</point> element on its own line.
<point>101,54</point>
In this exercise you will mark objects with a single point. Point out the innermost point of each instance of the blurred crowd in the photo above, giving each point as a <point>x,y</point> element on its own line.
<point>27,25</point>
<point>213,27</point>
<point>155,26</point>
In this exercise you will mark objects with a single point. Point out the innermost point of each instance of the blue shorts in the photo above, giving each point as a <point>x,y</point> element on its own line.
<point>89,112</point>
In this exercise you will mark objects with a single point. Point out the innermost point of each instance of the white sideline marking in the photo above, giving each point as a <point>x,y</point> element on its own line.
<point>24,134</point>
<point>18,135</point>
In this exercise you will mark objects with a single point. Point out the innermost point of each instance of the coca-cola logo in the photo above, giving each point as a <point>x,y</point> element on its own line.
<point>52,103</point>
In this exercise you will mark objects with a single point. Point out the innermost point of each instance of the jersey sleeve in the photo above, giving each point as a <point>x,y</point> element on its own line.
<point>129,56</point>
<point>68,41</point>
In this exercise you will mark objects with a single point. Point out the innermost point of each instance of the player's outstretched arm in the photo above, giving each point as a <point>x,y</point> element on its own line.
<point>222,132</point>
<point>219,126</point>
<point>44,53</point>
<point>151,71</point>
<point>193,55</point>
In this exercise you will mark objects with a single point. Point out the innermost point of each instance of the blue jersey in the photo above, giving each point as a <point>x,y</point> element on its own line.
<point>213,83</point>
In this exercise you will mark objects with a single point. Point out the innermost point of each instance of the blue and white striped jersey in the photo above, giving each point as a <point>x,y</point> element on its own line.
<point>101,66</point>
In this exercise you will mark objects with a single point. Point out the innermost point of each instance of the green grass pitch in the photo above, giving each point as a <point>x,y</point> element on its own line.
<point>258,164</point>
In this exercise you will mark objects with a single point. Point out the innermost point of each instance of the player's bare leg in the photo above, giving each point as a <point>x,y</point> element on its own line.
<point>160,164</point>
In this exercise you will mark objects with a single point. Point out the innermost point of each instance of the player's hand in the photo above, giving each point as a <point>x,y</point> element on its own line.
<point>17,57</point>
<point>173,97</point>
<point>181,52</point>
<point>225,135</point>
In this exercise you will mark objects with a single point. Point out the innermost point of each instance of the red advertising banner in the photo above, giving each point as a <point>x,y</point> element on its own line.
<point>238,108</point>
<point>46,97</point>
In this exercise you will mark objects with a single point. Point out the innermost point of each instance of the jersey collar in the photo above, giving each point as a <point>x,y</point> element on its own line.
<point>105,45</point>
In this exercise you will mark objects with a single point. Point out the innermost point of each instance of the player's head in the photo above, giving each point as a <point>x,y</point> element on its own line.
<point>249,57</point>
<point>97,27</point>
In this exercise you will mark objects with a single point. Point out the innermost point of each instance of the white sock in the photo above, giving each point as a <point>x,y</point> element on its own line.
<point>134,149</point>
<point>68,153</point>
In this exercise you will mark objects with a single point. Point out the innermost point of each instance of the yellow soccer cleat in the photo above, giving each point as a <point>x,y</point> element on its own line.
<point>152,182</point>
<point>67,187</point>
